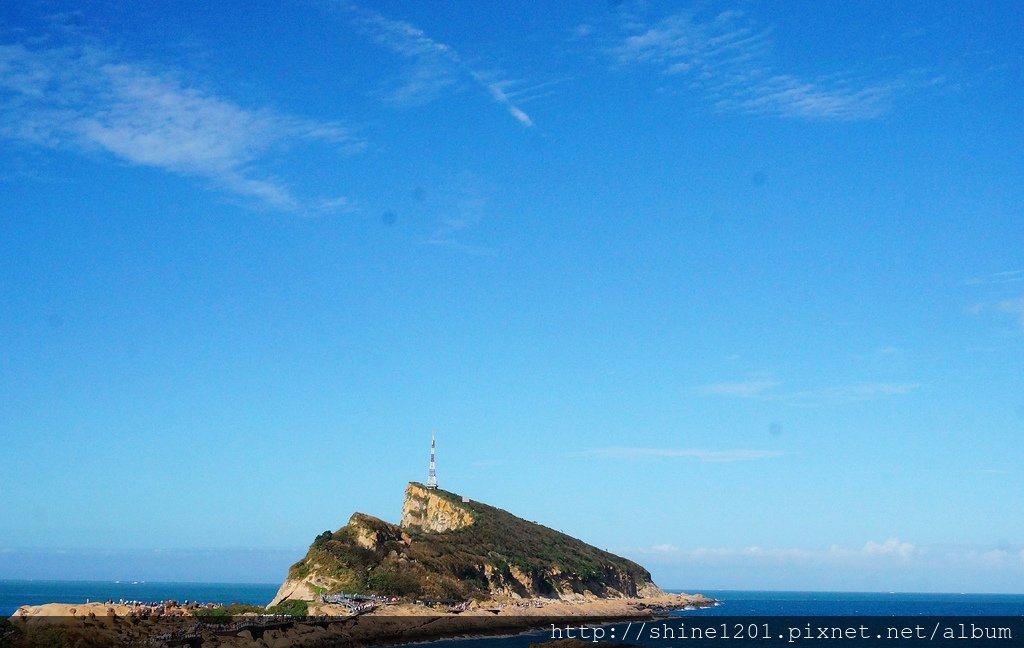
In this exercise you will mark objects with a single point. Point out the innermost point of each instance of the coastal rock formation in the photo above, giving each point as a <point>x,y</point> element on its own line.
<point>448,547</point>
<point>425,510</point>
<point>91,625</point>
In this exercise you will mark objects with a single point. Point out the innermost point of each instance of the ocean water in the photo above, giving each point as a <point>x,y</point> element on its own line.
<point>15,593</point>
<point>752,603</point>
<point>784,612</point>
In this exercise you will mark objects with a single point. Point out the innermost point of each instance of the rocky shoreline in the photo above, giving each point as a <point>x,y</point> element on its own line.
<point>103,624</point>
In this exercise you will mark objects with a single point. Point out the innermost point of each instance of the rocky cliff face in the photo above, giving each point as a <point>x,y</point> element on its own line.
<point>448,548</point>
<point>426,510</point>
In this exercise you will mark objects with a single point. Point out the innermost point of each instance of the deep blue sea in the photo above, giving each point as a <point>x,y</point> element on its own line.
<point>14,593</point>
<point>740,603</point>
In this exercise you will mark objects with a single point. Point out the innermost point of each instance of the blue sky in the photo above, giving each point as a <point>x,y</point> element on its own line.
<point>733,289</point>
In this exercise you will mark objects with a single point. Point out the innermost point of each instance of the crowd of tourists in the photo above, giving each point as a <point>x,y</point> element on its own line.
<point>358,603</point>
<point>522,604</point>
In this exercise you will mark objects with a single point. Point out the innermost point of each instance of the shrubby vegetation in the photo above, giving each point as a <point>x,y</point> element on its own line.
<point>225,612</point>
<point>322,539</point>
<point>49,636</point>
<point>290,607</point>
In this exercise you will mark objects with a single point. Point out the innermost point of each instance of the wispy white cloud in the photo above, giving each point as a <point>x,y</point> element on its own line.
<point>341,204</point>
<point>663,548</point>
<point>837,395</point>
<point>747,389</point>
<point>701,454</point>
<point>87,98</point>
<point>891,548</point>
<point>875,565</point>
<point>464,248</point>
<point>1005,277</point>
<point>497,92</point>
<point>1014,307</point>
<point>842,394</point>
<point>463,206</point>
<point>728,59</point>
<point>990,558</point>
<point>522,92</point>
<point>435,67</point>
<point>582,30</point>
<point>998,294</point>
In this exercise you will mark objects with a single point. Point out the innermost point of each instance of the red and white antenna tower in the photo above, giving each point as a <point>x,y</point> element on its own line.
<point>432,470</point>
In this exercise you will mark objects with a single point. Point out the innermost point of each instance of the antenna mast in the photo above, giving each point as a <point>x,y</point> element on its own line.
<point>432,470</point>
